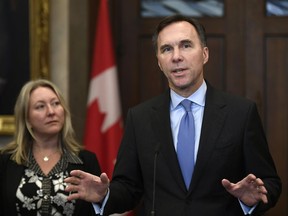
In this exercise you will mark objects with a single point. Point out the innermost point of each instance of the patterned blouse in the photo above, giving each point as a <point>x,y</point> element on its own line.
<point>40,194</point>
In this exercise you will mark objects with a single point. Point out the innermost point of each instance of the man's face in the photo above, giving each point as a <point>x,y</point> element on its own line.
<point>181,57</point>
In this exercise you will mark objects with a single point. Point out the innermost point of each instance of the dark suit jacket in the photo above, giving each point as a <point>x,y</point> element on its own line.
<point>11,174</point>
<point>232,145</point>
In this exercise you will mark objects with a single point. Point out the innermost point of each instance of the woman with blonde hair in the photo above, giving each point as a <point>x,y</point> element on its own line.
<point>41,155</point>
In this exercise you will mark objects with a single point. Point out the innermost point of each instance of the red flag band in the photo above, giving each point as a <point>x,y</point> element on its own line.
<point>104,129</point>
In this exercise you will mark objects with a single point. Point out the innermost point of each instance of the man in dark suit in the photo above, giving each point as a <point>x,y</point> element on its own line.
<point>229,144</point>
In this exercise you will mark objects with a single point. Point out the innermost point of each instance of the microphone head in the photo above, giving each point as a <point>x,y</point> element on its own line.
<point>157,148</point>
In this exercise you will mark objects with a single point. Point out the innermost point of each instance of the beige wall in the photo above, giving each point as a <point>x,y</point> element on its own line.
<point>69,55</point>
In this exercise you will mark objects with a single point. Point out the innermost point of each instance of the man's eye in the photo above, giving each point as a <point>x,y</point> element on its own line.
<point>165,49</point>
<point>186,45</point>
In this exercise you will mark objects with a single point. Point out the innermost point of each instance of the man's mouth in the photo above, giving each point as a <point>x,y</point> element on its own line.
<point>178,70</point>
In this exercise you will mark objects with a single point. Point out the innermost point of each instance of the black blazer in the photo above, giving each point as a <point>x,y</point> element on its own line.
<point>11,173</point>
<point>232,145</point>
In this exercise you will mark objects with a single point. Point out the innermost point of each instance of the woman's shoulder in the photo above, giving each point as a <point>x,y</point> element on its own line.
<point>90,161</point>
<point>86,153</point>
<point>4,157</point>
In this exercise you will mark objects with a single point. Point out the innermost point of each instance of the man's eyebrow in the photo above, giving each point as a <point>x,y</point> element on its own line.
<point>164,46</point>
<point>180,42</point>
<point>186,41</point>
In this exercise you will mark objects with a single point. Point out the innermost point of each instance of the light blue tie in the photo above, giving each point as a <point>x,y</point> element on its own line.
<point>186,143</point>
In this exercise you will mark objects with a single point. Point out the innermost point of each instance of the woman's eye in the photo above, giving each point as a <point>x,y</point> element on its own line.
<point>41,106</point>
<point>56,103</point>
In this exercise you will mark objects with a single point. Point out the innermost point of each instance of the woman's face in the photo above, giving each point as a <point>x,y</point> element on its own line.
<point>45,113</point>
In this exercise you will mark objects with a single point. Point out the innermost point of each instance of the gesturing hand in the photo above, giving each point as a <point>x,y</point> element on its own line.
<point>86,186</point>
<point>249,190</point>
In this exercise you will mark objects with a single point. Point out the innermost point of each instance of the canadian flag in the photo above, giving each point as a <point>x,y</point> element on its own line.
<point>104,127</point>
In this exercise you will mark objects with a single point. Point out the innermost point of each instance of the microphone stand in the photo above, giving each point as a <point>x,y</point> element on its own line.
<point>152,213</point>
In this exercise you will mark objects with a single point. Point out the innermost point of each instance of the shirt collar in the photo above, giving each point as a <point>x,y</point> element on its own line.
<point>197,97</point>
<point>67,156</point>
<point>72,158</point>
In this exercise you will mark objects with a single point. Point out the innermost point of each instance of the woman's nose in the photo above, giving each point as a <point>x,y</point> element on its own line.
<point>50,110</point>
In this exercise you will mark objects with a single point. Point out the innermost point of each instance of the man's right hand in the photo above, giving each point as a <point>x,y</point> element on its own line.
<point>88,187</point>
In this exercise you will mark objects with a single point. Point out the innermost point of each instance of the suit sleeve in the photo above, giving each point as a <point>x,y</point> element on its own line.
<point>127,185</point>
<point>258,159</point>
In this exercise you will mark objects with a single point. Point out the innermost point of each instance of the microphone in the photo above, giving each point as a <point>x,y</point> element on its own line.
<point>157,148</point>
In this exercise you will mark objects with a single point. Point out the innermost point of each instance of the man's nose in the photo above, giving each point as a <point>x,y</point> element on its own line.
<point>177,56</point>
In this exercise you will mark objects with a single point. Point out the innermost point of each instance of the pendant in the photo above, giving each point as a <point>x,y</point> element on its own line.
<point>46,158</point>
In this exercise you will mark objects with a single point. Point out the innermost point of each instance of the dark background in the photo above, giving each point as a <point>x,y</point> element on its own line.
<point>14,51</point>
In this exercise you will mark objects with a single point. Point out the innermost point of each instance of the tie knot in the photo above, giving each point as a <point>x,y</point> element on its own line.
<point>186,104</point>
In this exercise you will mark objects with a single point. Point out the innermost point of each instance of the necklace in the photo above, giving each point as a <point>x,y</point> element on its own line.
<point>46,158</point>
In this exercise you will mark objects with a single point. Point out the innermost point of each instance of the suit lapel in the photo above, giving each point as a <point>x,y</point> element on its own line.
<point>162,127</point>
<point>214,115</point>
<point>213,120</point>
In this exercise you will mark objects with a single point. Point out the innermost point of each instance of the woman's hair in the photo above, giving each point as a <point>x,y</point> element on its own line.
<point>179,18</point>
<point>23,137</point>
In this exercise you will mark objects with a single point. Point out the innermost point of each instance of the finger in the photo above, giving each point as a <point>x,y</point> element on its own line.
<point>259,182</point>
<point>259,185</point>
<point>71,188</point>
<point>264,198</point>
<point>77,173</point>
<point>226,184</point>
<point>250,178</point>
<point>104,178</point>
<point>73,196</point>
<point>72,180</point>
<point>261,189</point>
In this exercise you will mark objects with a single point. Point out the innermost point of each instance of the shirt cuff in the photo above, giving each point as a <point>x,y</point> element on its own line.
<point>247,209</point>
<point>99,208</point>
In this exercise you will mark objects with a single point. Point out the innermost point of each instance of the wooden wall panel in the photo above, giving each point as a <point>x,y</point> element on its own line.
<point>276,115</point>
<point>243,60</point>
<point>152,78</point>
<point>214,70</point>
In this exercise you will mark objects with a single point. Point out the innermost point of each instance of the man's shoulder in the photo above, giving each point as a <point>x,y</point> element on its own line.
<point>226,97</point>
<point>156,101</point>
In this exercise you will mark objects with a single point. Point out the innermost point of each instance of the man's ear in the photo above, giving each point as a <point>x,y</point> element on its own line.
<point>159,65</point>
<point>205,55</point>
